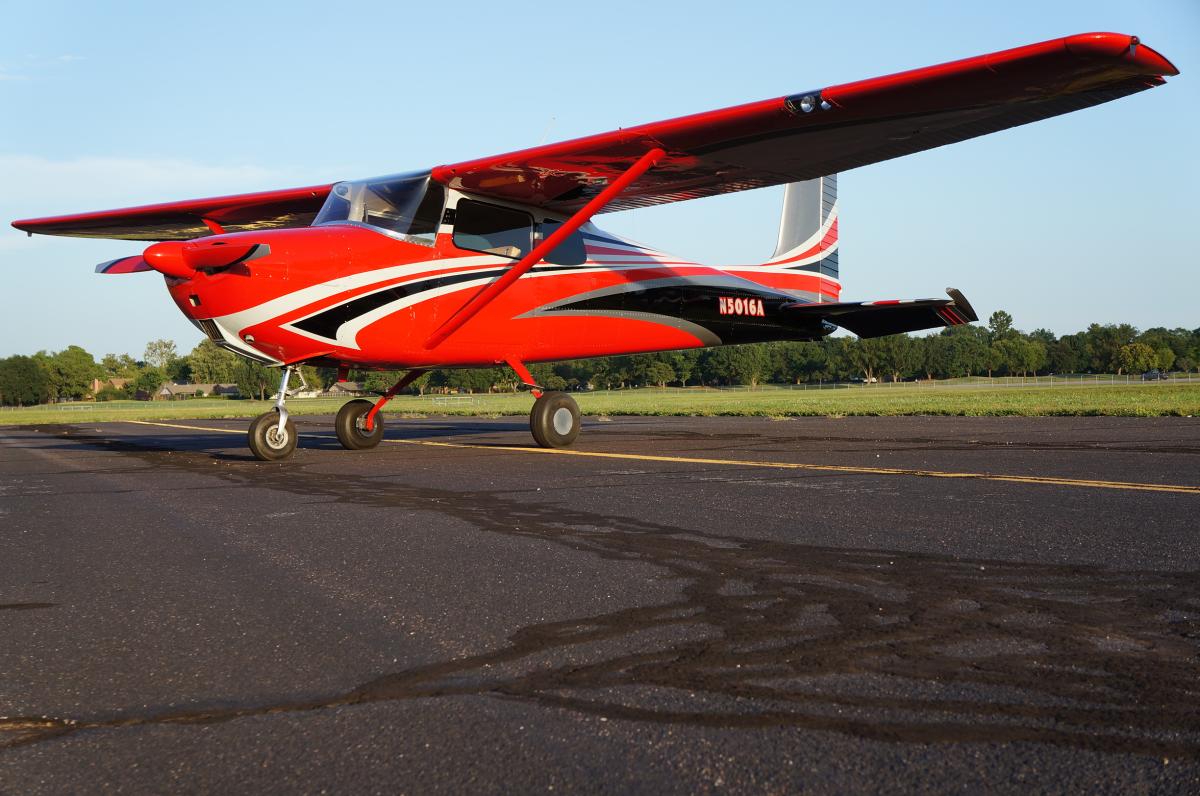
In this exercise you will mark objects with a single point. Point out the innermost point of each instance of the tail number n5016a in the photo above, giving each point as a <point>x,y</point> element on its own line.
<point>741,306</point>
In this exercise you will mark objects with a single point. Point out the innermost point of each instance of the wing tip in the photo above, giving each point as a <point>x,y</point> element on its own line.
<point>961,304</point>
<point>1123,46</point>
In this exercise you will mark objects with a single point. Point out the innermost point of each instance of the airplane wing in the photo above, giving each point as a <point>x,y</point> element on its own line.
<point>786,139</point>
<point>823,131</point>
<point>880,318</point>
<point>293,207</point>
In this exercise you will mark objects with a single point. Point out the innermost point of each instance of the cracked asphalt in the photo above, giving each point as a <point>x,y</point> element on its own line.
<point>680,605</point>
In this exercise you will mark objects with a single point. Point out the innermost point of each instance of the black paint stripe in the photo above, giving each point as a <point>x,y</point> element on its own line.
<point>327,323</point>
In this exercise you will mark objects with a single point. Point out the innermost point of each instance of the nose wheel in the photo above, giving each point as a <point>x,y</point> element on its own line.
<point>269,440</point>
<point>554,420</point>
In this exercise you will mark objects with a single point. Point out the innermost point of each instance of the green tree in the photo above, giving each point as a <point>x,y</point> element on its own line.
<point>1000,326</point>
<point>1165,358</point>
<point>737,364</point>
<point>969,350</point>
<point>899,356</point>
<point>473,380</point>
<point>866,354</point>
<point>936,356</point>
<point>256,380</point>
<point>659,373</point>
<point>23,382</point>
<point>1068,354</point>
<point>179,370</point>
<point>997,357</point>
<point>650,369</point>
<point>211,364</point>
<point>1029,356</point>
<point>69,372</point>
<point>547,376</point>
<point>160,353</point>
<point>1103,344</point>
<point>839,357</point>
<point>376,381</point>
<point>149,380</point>
<point>1136,358</point>
<point>683,363</point>
<point>119,367</point>
<point>610,372</point>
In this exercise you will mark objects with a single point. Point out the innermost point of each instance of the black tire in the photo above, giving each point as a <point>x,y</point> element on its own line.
<point>266,443</point>
<point>350,431</point>
<point>554,420</point>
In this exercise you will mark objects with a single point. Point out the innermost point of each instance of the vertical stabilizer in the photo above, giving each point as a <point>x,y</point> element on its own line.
<point>808,229</point>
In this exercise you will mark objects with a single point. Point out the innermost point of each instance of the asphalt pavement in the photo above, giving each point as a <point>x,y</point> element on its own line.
<point>676,605</point>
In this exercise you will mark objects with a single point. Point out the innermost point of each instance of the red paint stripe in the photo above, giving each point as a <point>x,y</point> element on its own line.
<point>614,250</point>
<point>954,316</point>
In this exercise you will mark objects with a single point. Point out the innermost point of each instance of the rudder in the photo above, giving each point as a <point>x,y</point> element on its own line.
<point>808,227</point>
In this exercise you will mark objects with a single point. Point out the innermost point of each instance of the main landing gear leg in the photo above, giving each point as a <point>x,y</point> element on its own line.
<point>554,420</point>
<point>273,434</point>
<point>359,425</point>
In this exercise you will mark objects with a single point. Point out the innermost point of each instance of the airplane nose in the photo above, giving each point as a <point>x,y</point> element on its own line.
<point>168,258</point>
<point>183,259</point>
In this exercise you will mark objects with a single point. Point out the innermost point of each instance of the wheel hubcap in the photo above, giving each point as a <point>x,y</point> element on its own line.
<point>563,421</point>
<point>275,439</point>
<point>360,425</point>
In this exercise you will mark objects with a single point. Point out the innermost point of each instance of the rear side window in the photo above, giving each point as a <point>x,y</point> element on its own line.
<point>492,229</point>
<point>570,252</point>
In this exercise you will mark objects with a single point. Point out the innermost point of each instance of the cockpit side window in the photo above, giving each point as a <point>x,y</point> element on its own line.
<point>484,227</point>
<point>408,207</point>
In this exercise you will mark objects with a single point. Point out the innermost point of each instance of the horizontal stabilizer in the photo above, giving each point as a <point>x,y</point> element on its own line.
<point>879,318</point>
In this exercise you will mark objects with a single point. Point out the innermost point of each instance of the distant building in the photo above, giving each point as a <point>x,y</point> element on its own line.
<point>175,392</point>
<point>299,394</point>
<point>344,388</point>
<point>116,384</point>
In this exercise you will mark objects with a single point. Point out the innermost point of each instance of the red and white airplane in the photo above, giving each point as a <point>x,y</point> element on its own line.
<point>496,260</point>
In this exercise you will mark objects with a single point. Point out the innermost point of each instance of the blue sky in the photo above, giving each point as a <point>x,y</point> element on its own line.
<point>1094,216</point>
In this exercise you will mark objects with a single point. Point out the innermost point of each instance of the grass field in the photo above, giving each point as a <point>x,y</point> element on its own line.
<point>1135,399</point>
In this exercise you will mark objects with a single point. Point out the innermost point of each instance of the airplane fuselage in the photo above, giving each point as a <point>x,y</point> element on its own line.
<point>349,293</point>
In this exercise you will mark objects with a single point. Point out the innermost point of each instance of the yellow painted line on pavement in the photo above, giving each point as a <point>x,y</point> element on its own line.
<point>827,468</point>
<point>188,428</point>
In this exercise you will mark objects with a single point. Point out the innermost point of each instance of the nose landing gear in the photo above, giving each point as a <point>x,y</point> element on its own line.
<point>273,434</point>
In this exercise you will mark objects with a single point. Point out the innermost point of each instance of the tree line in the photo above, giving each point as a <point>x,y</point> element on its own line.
<point>972,350</point>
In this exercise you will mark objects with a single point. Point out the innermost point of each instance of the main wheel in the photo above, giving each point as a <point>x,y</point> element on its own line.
<point>267,443</point>
<point>351,428</point>
<point>554,420</point>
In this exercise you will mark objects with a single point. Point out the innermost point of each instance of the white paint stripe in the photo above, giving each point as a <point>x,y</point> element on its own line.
<point>812,240</point>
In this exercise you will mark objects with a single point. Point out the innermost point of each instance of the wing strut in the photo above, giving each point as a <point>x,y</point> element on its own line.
<point>485,296</point>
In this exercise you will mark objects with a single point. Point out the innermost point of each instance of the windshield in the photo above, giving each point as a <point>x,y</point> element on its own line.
<point>407,206</point>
